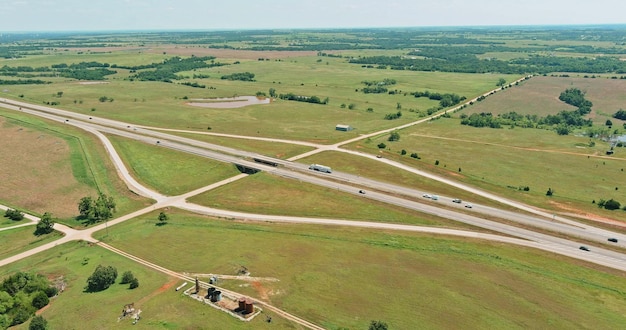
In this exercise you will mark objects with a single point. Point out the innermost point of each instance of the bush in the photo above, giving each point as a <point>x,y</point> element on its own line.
<point>134,283</point>
<point>13,214</point>
<point>38,323</point>
<point>40,300</point>
<point>382,146</point>
<point>127,277</point>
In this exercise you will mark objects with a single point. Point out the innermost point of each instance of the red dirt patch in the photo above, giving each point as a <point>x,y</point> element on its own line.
<point>261,290</point>
<point>571,211</point>
<point>162,289</point>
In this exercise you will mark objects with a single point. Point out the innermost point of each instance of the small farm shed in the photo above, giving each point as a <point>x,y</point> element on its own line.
<point>344,128</point>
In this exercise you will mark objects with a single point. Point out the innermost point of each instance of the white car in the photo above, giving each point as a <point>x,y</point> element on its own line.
<point>469,206</point>
<point>426,195</point>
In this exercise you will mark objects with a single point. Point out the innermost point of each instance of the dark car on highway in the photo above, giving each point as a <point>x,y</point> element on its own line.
<point>614,240</point>
<point>584,248</point>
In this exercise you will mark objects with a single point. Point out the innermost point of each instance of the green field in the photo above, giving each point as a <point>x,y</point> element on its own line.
<point>161,306</point>
<point>170,172</point>
<point>268,194</point>
<point>15,241</point>
<point>271,149</point>
<point>345,277</point>
<point>502,160</point>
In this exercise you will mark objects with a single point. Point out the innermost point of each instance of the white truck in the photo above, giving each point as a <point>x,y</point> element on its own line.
<point>320,168</point>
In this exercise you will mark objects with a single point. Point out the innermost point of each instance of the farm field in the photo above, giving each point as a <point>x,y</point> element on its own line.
<point>63,165</point>
<point>340,277</point>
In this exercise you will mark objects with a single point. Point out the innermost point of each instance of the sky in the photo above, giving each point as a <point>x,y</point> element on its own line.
<point>123,15</point>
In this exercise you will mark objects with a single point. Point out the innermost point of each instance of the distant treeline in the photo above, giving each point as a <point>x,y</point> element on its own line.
<point>242,76</point>
<point>469,63</point>
<point>23,82</point>
<point>300,98</point>
<point>166,71</point>
<point>445,100</point>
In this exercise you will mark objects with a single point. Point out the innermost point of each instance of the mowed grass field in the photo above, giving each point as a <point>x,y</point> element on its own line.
<point>267,148</point>
<point>17,240</point>
<point>53,166</point>
<point>161,306</point>
<point>344,277</point>
<point>163,104</point>
<point>167,171</point>
<point>272,195</point>
<point>503,160</point>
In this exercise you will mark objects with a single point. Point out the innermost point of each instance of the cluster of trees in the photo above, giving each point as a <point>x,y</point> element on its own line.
<point>563,121</point>
<point>575,97</point>
<point>445,100</point>
<point>611,204</point>
<point>21,295</point>
<point>242,76</point>
<point>166,71</point>
<point>104,276</point>
<point>13,214</point>
<point>94,210</point>
<point>377,87</point>
<point>193,84</point>
<point>392,116</point>
<point>301,98</point>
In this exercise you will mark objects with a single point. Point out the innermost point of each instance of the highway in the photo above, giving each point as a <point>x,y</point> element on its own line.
<point>348,183</point>
<point>374,190</point>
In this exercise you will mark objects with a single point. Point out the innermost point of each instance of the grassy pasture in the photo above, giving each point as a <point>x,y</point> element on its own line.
<point>161,104</point>
<point>161,306</point>
<point>265,194</point>
<point>540,95</point>
<point>501,160</point>
<point>18,240</point>
<point>271,149</point>
<point>345,277</point>
<point>168,171</point>
<point>6,222</point>
<point>61,166</point>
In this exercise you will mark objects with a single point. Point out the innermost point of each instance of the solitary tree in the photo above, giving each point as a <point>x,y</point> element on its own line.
<point>134,283</point>
<point>501,82</point>
<point>394,136</point>
<point>101,278</point>
<point>163,217</point>
<point>45,225</point>
<point>550,192</point>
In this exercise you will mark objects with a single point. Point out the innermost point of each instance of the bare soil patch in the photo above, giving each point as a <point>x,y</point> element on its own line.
<point>37,175</point>
<point>229,102</point>
<point>92,82</point>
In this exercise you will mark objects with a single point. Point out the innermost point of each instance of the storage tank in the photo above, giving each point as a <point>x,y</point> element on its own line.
<point>242,304</point>
<point>210,292</point>
<point>249,306</point>
<point>216,296</point>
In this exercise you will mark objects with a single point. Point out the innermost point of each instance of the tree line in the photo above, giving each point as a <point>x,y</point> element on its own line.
<point>21,295</point>
<point>300,98</point>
